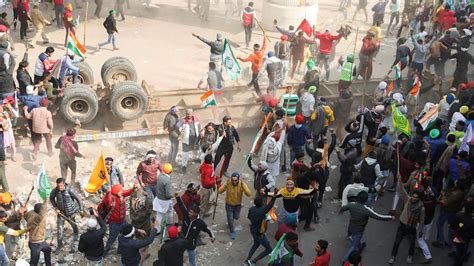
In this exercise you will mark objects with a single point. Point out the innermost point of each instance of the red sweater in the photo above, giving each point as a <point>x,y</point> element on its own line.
<point>188,200</point>
<point>322,260</point>
<point>120,209</point>
<point>208,180</point>
<point>326,41</point>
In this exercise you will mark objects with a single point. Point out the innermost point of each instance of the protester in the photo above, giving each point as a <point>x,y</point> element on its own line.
<point>322,254</point>
<point>115,175</point>
<point>172,251</point>
<point>113,207</point>
<point>141,209</point>
<point>147,173</point>
<point>110,26</point>
<point>42,126</point>
<point>226,147</point>
<point>66,203</point>
<point>39,22</point>
<point>189,127</point>
<point>258,228</point>
<point>36,225</point>
<point>170,125</point>
<point>190,198</point>
<point>163,204</point>
<point>208,185</point>
<point>91,243</point>
<point>217,48</point>
<point>256,58</point>
<point>192,225</point>
<point>248,16</point>
<point>68,151</point>
<point>234,189</point>
<point>326,42</point>
<point>263,179</point>
<point>43,63</point>
<point>129,248</point>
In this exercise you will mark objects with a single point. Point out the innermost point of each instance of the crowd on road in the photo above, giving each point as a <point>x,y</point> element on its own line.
<point>422,157</point>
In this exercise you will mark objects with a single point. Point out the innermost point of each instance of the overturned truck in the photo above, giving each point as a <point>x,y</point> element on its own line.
<point>122,108</point>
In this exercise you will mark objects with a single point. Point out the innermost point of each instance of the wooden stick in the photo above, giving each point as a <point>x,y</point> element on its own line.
<point>29,195</point>
<point>260,26</point>
<point>85,23</point>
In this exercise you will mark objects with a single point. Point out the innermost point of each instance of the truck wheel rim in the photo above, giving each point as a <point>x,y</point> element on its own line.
<point>79,107</point>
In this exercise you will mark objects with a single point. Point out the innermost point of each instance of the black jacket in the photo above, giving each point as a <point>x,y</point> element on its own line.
<point>67,201</point>
<point>171,252</point>
<point>360,215</point>
<point>7,85</point>
<point>256,216</point>
<point>191,229</point>
<point>110,24</point>
<point>91,243</point>
<point>23,77</point>
<point>129,248</point>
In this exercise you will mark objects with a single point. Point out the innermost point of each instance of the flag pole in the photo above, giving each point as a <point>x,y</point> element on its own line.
<point>85,23</point>
<point>260,26</point>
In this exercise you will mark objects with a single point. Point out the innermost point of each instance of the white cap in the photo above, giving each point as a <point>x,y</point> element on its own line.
<point>467,32</point>
<point>30,89</point>
<point>92,223</point>
<point>382,85</point>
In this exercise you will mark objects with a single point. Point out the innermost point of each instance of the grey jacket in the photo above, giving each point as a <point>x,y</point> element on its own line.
<point>163,187</point>
<point>360,215</point>
<point>170,123</point>
<point>67,201</point>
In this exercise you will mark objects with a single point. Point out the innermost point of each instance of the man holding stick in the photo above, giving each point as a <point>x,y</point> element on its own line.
<point>256,58</point>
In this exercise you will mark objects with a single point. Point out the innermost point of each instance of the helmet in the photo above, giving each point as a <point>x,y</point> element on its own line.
<point>5,198</point>
<point>167,168</point>
<point>350,58</point>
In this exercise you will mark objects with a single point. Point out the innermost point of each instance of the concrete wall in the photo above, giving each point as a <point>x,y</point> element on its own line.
<point>287,15</point>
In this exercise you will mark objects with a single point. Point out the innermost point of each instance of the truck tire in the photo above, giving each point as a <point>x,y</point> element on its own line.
<point>128,101</point>
<point>79,102</point>
<point>86,75</point>
<point>116,70</point>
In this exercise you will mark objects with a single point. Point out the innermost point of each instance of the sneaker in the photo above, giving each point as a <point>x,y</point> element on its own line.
<point>349,238</point>
<point>427,261</point>
<point>409,259</point>
<point>250,263</point>
<point>316,219</point>
<point>233,235</point>
<point>115,49</point>
<point>391,260</point>
<point>319,204</point>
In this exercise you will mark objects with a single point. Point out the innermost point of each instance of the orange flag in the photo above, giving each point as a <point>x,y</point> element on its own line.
<point>389,89</point>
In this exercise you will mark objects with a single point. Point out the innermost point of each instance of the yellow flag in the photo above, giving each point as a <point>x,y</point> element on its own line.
<point>99,176</point>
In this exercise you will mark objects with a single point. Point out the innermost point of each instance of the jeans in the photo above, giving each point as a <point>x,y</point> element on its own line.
<point>294,150</point>
<point>95,263</point>
<point>248,35</point>
<point>60,229</point>
<point>324,59</point>
<point>425,230</point>
<point>259,239</point>
<point>402,231</point>
<point>4,260</point>
<point>192,257</point>
<point>150,191</point>
<point>371,198</point>
<point>36,249</point>
<point>355,244</point>
<point>233,213</point>
<point>417,67</point>
<point>254,83</point>
<point>174,150</point>
<point>442,219</point>
<point>393,16</point>
<point>110,40</point>
<point>59,11</point>
<point>114,231</point>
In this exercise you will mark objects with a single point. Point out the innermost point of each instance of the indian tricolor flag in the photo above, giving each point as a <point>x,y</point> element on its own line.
<point>398,70</point>
<point>75,46</point>
<point>208,99</point>
<point>429,117</point>
<point>389,89</point>
<point>415,90</point>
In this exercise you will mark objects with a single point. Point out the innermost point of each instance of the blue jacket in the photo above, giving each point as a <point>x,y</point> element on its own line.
<point>32,101</point>
<point>298,136</point>
<point>436,145</point>
<point>129,248</point>
<point>454,173</point>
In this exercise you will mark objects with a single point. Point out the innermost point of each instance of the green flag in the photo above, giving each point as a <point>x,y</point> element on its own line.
<point>42,183</point>
<point>399,121</point>
<point>280,253</point>
<point>229,62</point>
